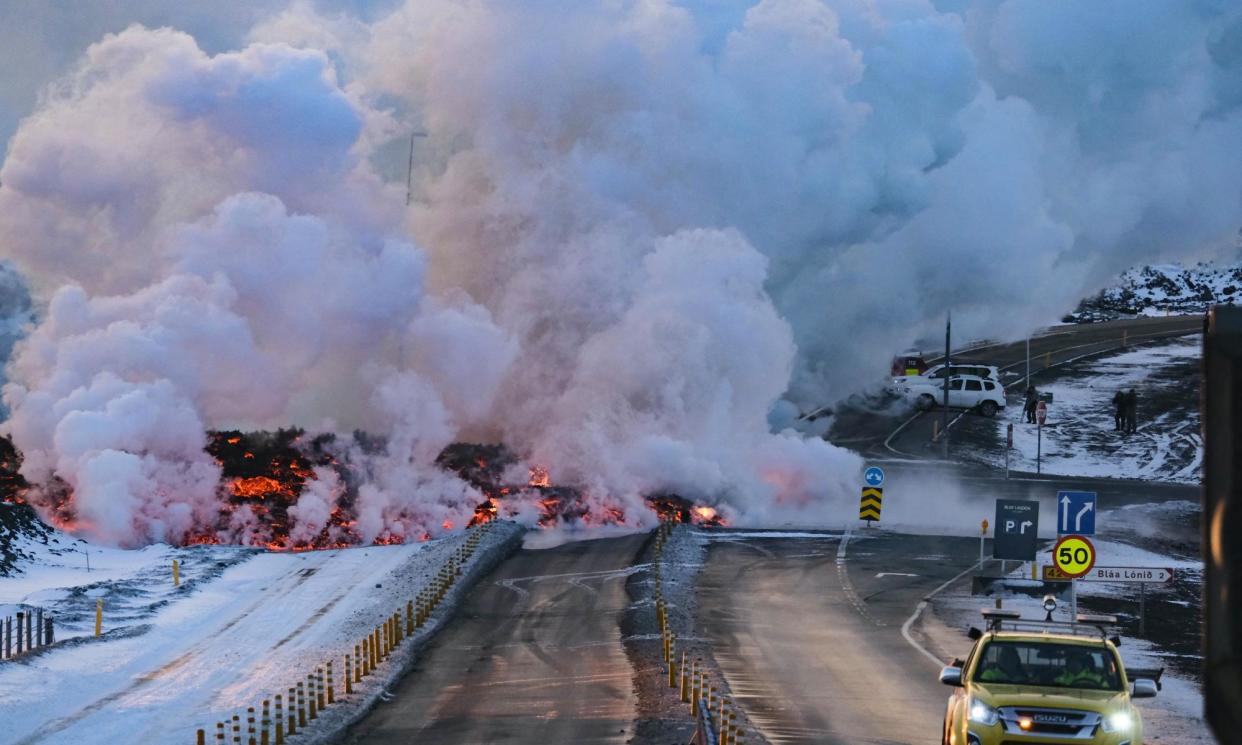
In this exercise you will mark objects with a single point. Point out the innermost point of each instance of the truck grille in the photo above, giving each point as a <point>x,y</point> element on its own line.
<point>1065,723</point>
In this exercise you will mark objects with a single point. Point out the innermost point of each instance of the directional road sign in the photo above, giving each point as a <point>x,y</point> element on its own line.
<point>1136,575</point>
<point>871,503</point>
<point>1074,555</point>
<point>874,476</point>
<point>1076,512</point>
<point>1017,528</point>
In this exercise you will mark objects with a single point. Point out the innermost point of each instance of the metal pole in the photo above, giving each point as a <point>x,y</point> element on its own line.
<point>1039,447</point>
<point>1074,600</point>
<point>982,535</point>
<point>409,174</point>
<point>1142,608</point>
<point>944,412</point>
<point>1027,381</point>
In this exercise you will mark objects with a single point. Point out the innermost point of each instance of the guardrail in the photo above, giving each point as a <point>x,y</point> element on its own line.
<point>278,717</point>
<point>715,719</point>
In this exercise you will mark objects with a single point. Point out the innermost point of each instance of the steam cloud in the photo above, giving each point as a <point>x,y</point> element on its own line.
<point>638,225</point>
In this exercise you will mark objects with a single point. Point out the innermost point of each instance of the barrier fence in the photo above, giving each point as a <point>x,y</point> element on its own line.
<point>714,715</point>
<point>281,715</point>
<point>33,629</point>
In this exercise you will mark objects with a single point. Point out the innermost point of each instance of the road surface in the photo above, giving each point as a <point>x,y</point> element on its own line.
<point>812,647</point>
<point>533,656</point>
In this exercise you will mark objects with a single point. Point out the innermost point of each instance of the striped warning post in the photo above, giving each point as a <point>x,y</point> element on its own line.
<point>869,507</point>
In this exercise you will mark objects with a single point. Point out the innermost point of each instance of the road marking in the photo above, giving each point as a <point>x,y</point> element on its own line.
<point>918,611</point>
<point>847,587</point>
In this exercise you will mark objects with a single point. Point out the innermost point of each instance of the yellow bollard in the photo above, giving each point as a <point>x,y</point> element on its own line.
<point>219,733</point>
<point>98,616</point>
<point>176,574</point>
<point>732,728</point>
<point>349,675</point>
<point>266,724</point>
<point>684,694</point>
<point>312,712</point>
<point>409,618</point>
<point>672,674</point>
<point>236,730</point>
<point>694,698</point>
<point>365,660</point>
<point>301,706</point>
<point>319,692</point>
<point>250,726</point>
<point>280,721</point>
<point>201,739</point>
<point>331,685</point>
<point>723,728</point>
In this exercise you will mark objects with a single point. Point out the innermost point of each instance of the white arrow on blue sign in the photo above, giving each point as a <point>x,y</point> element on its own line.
<point>1076,513</point>
<point>874,476</point>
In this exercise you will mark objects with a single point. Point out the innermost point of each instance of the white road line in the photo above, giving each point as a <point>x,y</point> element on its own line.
<point>918,611</point>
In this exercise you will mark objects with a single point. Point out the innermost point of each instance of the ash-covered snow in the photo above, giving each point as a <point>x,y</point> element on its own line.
<point>1079,437</point>
<point>244,626</point>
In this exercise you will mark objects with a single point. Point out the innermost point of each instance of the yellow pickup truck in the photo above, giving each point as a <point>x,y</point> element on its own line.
<point>1044,683</point>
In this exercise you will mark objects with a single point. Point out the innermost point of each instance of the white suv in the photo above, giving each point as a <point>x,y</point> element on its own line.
<point>938,372</point>
<point>965,392</point>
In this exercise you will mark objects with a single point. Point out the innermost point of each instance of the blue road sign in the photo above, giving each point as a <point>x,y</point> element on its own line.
<point>874,476</point>
<point>1076,513</point>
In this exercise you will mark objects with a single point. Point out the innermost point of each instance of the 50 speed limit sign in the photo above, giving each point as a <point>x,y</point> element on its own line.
<point>1074,555</point>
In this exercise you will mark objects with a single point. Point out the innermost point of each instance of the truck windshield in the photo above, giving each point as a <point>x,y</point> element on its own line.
<point>1049,664</point>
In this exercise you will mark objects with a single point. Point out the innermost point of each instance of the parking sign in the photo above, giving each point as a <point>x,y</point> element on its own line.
<point>1017,529</point>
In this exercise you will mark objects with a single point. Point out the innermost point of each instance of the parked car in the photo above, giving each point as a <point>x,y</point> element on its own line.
<point>965,392</point>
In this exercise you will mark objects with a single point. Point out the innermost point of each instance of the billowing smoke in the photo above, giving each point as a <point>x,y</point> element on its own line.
<point>639,224</point>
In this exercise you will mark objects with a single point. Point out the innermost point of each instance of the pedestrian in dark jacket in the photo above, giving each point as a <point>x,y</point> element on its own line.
<point>1131,411</point>
<point>1032,399</point>
<point>1119,411</point>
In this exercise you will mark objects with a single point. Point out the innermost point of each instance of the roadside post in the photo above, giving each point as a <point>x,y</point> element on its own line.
<point>1041,414</point>
<point>1008,448</point>
<point>983,532</point>
<point>872,501</point>
<point>1075,517</point>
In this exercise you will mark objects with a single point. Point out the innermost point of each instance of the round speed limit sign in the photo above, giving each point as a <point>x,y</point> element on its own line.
<point>1074,555</point>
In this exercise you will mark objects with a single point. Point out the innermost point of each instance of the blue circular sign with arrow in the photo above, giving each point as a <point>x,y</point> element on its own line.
<point>874,476</point>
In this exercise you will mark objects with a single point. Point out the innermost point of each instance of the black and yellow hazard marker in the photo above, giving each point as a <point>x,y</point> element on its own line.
<point>869,507</point>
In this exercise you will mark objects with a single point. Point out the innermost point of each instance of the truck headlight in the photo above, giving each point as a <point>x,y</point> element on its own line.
<point>1118,721</point>
<point>982,713</point>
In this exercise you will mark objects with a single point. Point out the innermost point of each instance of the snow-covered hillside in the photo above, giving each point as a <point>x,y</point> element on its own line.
<point>1164,288</point>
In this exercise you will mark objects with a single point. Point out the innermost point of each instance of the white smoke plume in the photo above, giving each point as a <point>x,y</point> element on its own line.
<point>641,223</point>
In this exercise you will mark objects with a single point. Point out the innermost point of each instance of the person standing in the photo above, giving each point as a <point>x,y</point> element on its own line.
<point>1131,402</point>
<point>1119,411</point>
<point>1032,399</point>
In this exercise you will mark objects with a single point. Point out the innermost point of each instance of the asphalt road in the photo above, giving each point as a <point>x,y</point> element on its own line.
<point>533,656</point>
<point>812,647</point>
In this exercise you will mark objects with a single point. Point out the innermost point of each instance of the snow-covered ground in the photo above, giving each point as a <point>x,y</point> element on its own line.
<point>244,626</point>
<point>1079,439</point>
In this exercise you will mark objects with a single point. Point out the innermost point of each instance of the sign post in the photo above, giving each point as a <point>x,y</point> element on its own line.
<point>1074,555</point>
<point>872,495</point>
<point>983,532</point>
<point>1041,415</point>
<point>1008,447</point>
